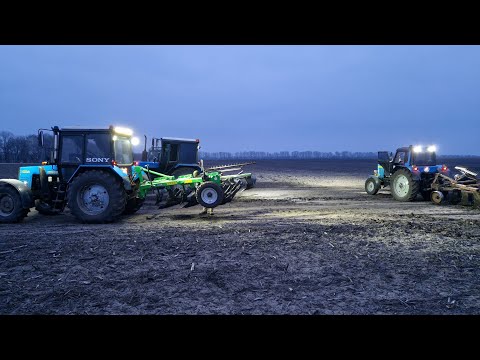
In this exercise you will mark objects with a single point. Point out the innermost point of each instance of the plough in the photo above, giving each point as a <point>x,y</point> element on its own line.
<point>464,188</point>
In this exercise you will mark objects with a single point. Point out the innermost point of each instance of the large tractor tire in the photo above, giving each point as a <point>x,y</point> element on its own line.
<point>96,197</point>
<point>11,208</point>
<point>44,208</point>
<point>403,186</point>
<point>251,181</point>
<point>209,194</point>
<point>372,185</point>
<point>133,205</point>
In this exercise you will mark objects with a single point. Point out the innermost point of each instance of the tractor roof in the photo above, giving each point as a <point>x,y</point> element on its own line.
<point>83,129</point>
<point>180,139</point>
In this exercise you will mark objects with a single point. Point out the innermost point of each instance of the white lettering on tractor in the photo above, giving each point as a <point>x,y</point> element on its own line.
<point>98,160</point>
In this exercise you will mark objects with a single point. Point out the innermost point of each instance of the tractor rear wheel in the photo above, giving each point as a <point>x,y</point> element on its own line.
<point>11,209</point>
<point>96,197</point>
<point>44,208</point>
<point>403,187</point>
<point>209,194</point>
<point>372,185</point>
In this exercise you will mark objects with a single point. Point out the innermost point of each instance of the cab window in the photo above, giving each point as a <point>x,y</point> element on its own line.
<point>98,145</point>
<point>400,158</point>
<point>72,147</point>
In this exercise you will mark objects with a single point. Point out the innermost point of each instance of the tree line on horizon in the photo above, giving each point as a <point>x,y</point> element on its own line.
<point>286,155</point>
<point>25,149</point>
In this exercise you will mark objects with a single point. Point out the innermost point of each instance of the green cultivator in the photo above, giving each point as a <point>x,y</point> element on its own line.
<point>208,188</point>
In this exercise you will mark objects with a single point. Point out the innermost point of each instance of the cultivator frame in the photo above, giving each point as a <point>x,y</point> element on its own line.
<point>191,189</point>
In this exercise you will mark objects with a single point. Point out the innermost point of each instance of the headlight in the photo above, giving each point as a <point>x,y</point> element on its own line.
<point>123,131</point>
<point>135,141</point>
<point>417,148</point>
<point>432,148</point>
<point>125,170</point>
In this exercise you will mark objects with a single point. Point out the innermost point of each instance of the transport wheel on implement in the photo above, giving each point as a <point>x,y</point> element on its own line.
<point>209,194</point>
<point>437,197</point>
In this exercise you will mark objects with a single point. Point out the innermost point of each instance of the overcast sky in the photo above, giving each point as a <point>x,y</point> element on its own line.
<point>241,98</point>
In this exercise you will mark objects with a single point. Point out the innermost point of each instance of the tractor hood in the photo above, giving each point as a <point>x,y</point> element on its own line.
<point>25,173</point>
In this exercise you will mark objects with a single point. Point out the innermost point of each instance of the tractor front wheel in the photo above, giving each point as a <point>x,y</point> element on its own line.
<point>209,194</point>
<point>372,185</point>
<point>403,186</point>
<point>96,197</point>
<point>11,209</point>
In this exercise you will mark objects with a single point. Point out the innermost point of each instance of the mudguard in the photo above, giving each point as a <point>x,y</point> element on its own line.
<point>114,169</point>
<point>25,193</point>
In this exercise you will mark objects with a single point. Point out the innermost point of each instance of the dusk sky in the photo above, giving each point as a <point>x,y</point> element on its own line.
<point>261,98</point>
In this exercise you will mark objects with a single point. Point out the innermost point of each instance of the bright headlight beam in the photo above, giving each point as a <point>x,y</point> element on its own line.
<point>135,141</point>
<point>417,148</point>
<point>432,148</point>
<point>123,131</point>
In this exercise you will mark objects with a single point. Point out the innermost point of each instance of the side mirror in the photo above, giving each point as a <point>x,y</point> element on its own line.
<point>41,139</point>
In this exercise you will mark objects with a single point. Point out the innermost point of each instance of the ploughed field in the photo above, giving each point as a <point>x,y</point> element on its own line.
<point>306,240</point>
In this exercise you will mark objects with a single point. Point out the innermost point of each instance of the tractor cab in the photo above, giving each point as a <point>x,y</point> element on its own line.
<point>79,148</point>
<point>172,156</point>
<point>415,158</point>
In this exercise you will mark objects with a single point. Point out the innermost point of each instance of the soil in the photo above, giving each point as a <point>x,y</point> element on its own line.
<point>306,240</point>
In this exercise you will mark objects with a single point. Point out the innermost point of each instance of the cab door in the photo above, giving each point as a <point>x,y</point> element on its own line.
<point>71,154</point>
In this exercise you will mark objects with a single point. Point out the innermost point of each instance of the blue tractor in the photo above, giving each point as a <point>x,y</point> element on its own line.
<point>88,170</point>
<point>409,173</point>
